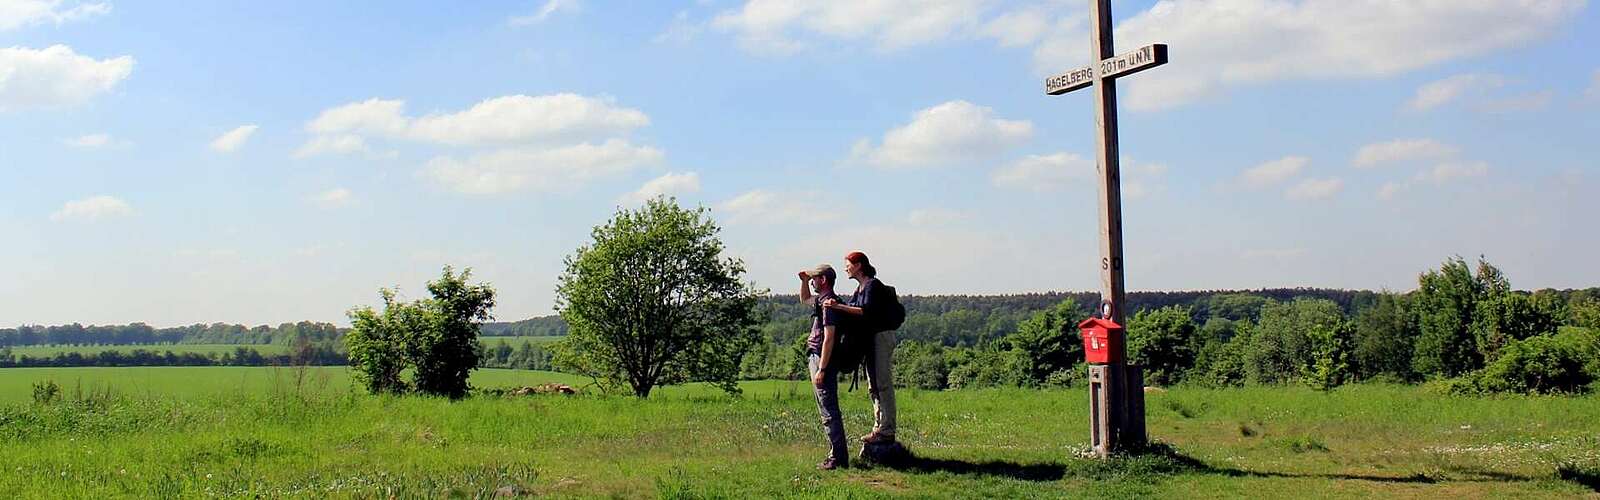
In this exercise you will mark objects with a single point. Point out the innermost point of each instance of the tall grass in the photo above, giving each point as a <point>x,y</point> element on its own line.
<point>691,442</point>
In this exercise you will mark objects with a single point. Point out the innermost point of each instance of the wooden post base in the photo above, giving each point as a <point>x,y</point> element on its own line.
<point>1116,408</point>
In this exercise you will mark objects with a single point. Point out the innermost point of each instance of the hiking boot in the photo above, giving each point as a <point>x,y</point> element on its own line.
<point>831,464</point>
<point>877,438</point>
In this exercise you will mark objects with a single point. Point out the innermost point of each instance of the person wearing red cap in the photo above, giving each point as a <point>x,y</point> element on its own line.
<point>880,369</point>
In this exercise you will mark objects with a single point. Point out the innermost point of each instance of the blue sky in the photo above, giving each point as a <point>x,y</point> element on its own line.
<point>261,162</point>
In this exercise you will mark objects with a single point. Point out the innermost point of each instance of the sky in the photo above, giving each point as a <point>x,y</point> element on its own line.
<point>265,162</point>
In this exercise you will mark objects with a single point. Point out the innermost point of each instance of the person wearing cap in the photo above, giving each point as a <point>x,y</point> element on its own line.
<point>820,347</point>
<point>880,370</point>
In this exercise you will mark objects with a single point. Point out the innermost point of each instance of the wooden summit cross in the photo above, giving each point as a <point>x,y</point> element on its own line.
<point>1116,390</point>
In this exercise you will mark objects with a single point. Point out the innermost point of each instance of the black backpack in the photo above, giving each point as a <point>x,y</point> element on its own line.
<point>856,338</point>
<point>887,313</point>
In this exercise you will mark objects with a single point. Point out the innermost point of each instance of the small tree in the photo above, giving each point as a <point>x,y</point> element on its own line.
<point>652,302</point>
<point>437,338</point>
<point>1048,341</point>
<point>1329,366</point>
<point>445,355</point>
<point>1444,303</point>
<point>376,343</point>
<point>1163,340</point>
<point>1385,336</point>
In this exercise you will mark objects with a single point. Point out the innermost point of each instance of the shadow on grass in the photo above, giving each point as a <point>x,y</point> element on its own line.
<point>1013,470</point>
<point>1161,460</point>
<point>1589,477</point>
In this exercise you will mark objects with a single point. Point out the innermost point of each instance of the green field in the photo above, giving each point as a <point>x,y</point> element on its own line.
<point>41,351</point>
<point>243,432</point>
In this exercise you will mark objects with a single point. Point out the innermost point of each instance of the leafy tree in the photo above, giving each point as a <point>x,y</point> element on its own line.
<point>1385,336</point>
<point>445,354</point>
<point>1329,366</point>
<point>1283,344</point>
<point>1445,301</point>
<point>1236,306</point>
<point>1163,340</point>
<point>1048,341</point>
<point>989,367</point>
<point>377,342</point>
<point>1503,318</point>
<point>1220,360</point>
<point>652,301</point>
<point>1537,365</point>
<point>920,365</point>
<point>1584,312</point>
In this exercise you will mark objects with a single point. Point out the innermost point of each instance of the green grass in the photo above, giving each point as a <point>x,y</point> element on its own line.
<point>39,351</point>
<point>692,442</point>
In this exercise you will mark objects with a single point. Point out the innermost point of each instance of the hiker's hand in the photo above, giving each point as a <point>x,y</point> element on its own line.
<point>829,303</point>
<point>804,276</point>
<point>816,380</point>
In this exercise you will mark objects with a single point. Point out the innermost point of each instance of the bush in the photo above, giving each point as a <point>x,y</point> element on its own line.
<point>1537,365</point>
<point>46,392</point>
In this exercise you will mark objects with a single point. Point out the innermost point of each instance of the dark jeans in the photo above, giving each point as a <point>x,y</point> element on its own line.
<point>828,404</point>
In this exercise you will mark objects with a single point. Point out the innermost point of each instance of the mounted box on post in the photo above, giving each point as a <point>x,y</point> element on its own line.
<point>1103,341</point>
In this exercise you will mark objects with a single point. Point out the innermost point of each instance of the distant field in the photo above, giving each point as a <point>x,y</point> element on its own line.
<point>41,351</point>
<point>38,351</point>
<point>16,384</point>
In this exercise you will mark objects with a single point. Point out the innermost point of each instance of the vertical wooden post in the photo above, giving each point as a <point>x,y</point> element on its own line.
<point>1107,162</point>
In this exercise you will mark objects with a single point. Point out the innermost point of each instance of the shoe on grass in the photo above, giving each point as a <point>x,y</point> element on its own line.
<point>877,438</point>
<point>831,464</point>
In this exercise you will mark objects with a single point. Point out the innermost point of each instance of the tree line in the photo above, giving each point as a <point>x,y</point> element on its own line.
<point>1467,330</point>
<point>307,354</point>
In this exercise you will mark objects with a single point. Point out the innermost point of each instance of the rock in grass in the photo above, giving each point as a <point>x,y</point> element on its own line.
<point>884,454</point>
<point>510,491</point>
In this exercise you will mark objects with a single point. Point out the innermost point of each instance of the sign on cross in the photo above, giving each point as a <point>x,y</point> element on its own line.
<point>1116,390</point>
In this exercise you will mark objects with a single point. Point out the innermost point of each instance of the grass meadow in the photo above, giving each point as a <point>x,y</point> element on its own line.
<point>254,432</point>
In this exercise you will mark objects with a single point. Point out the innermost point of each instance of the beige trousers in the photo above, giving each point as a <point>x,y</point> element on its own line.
<point>880,383</point>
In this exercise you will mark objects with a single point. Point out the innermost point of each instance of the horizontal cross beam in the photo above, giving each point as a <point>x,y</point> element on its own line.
<point>1141,59</point>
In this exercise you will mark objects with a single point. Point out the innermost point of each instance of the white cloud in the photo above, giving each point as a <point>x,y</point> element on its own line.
<point>670,184</point>
<point>1440,92</point>
<point>55,76</point>
<point>953,132</point>
<point>1531,101</point>
<point>762,207</point>
<point>515,119</point>
<point>90,141</point>
<point>1402,150</point>
<point>232,140</point>
<point>550,7</point>
<point>777,26</point>
<point>332,198</point>
<point>1018,28</point>
<point>92,208</point>
<point>1314,189</point>
<point>1446,172</point>
<point>538,168</point>
<point>18,13</point>
<point>332,144</point>
<point>1392,189</point>
<point>1218,44</point>
<point>1046,172</point>
<point>1273,172</point>
<point>680,31</point>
